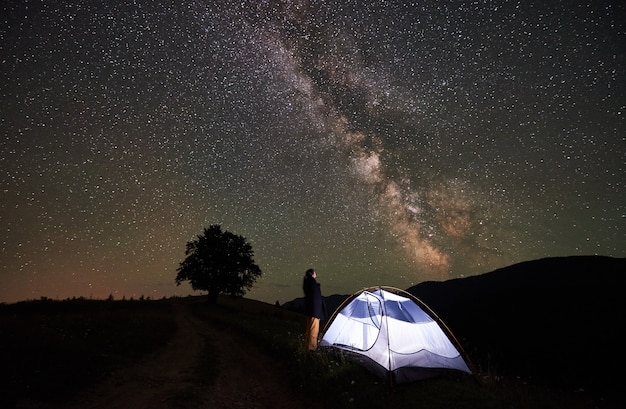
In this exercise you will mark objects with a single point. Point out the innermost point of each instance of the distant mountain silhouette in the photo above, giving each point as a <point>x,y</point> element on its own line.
<point>556,319</point>
<point>559,320</point>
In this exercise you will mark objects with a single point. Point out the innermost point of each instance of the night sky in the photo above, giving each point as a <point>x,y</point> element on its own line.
<point>379,142</point>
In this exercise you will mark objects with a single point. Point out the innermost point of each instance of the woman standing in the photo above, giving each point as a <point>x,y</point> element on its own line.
<point>313,308</point>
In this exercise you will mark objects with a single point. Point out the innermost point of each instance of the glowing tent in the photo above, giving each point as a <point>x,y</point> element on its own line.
<point>393,334</point>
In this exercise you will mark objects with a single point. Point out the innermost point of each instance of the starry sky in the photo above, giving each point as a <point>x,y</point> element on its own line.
<point>379,142</point>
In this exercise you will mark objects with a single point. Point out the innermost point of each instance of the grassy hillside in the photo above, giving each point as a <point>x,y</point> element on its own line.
<point>52,349</point>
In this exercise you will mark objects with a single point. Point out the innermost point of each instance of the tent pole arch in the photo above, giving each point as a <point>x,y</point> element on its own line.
<point>433,314</point>
<point>386,318</point>
<point>340,307</point>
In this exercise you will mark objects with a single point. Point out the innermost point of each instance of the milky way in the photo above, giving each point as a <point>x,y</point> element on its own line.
<point>382,143</point>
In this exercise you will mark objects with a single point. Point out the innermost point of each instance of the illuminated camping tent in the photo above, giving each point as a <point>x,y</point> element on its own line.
<point>393,334</point>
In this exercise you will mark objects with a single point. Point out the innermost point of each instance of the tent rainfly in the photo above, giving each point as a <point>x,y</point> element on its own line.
<point>394,335</point>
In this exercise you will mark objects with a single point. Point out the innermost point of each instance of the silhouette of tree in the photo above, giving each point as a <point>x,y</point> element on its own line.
<point>219,262</point>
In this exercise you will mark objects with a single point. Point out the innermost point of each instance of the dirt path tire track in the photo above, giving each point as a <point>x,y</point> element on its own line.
<point>247,377</point>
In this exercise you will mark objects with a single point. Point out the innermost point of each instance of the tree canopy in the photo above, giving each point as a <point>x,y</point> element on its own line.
<point>219,262</point>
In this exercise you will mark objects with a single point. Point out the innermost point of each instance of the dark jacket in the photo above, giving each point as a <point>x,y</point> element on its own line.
<point>313,302</point>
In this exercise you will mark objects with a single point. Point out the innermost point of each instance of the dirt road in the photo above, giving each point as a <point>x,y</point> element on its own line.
<point>247,378</point>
